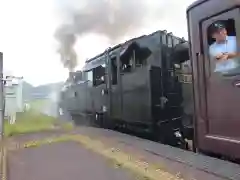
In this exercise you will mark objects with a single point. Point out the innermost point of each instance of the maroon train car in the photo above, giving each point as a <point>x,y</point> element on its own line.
<point>216,93</point>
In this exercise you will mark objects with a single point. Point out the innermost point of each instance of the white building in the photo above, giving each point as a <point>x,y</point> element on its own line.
<point>13,93</point>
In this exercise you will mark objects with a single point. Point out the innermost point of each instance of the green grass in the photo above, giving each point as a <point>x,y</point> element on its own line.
<point>38,104</point>
<point>32,122</point>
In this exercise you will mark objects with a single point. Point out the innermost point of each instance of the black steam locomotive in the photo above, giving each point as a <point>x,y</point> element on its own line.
<point>142,85</point>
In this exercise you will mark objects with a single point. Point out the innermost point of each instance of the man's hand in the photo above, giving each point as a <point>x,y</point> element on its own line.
<point>219,56</point>
<point>224,57</point>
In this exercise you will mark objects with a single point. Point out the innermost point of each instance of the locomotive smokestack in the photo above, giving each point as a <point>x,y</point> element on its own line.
<point>71,76</point>
<point>66,39</point>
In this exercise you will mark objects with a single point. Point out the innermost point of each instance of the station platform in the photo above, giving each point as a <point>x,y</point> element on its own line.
<point>67,160</point>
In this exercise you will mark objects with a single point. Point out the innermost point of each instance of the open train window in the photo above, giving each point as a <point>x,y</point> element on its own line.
<point>89,77</point>
<point>135,56</point>
<point>170,40</point>
<point>230,27</point>
<point>164,37</point>
<point>99,75</point>
<point>223,49</point>
<point>141,57</point>
<point>126,65</point>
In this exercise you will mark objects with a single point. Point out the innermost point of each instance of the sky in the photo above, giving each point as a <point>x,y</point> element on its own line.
<point>29,48</point>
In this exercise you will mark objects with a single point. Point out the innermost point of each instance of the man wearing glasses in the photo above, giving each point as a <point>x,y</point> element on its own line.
<point>224,50</point>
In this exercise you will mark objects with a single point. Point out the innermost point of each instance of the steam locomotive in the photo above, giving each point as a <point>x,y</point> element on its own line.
<point>138,85</point>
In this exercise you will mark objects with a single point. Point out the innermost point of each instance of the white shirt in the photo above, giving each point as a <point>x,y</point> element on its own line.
<point>230,46</point>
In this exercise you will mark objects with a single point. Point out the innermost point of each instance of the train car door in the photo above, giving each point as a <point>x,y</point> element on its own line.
<point>116,85</point>
<point>88,92</point>
<point>219,87</point>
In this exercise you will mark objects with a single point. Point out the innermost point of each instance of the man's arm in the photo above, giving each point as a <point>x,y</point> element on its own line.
<point>233,42</point>
<point>232,55</point>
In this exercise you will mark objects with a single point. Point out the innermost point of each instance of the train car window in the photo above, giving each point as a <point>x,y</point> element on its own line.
<point>169,41</point>
<point>176,41</point>
<point>89,76</point>
<point>164,38</point>
<point>135,57</point>
<point>78,77</point>
<point>127,65</point>
<point>84,76</point>
<point>140,58</point>
<point>222,47</point>
<point>99,75</point>
<point>114,71</point>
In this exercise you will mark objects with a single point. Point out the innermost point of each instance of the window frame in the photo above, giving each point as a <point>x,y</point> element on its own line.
<point>114,63</point>
<point>170,40</point>
<point>176,41</point>
<point>94,75</point>
<point>164,38</point>
<point>89,82</point>
<point>134,64</point>
<point>234,14</point>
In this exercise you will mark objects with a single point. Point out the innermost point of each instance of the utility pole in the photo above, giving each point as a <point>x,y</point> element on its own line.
<point>1,97</point>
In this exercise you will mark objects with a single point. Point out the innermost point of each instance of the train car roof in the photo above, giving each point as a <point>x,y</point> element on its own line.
<point>122,47</point>
<point>102,54</point>
<point>98,60</point>
<point>196,3</point>
<point>114,48</point>
<point>124,43</point>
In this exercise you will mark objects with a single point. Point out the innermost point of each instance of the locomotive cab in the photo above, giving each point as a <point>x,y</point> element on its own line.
<point>214,35</point>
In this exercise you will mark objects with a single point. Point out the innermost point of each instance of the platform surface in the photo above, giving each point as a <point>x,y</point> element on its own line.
<point>62,161</point>
<point>191,166</point>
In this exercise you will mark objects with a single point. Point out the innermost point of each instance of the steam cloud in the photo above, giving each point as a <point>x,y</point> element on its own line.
<point>110,18</point>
